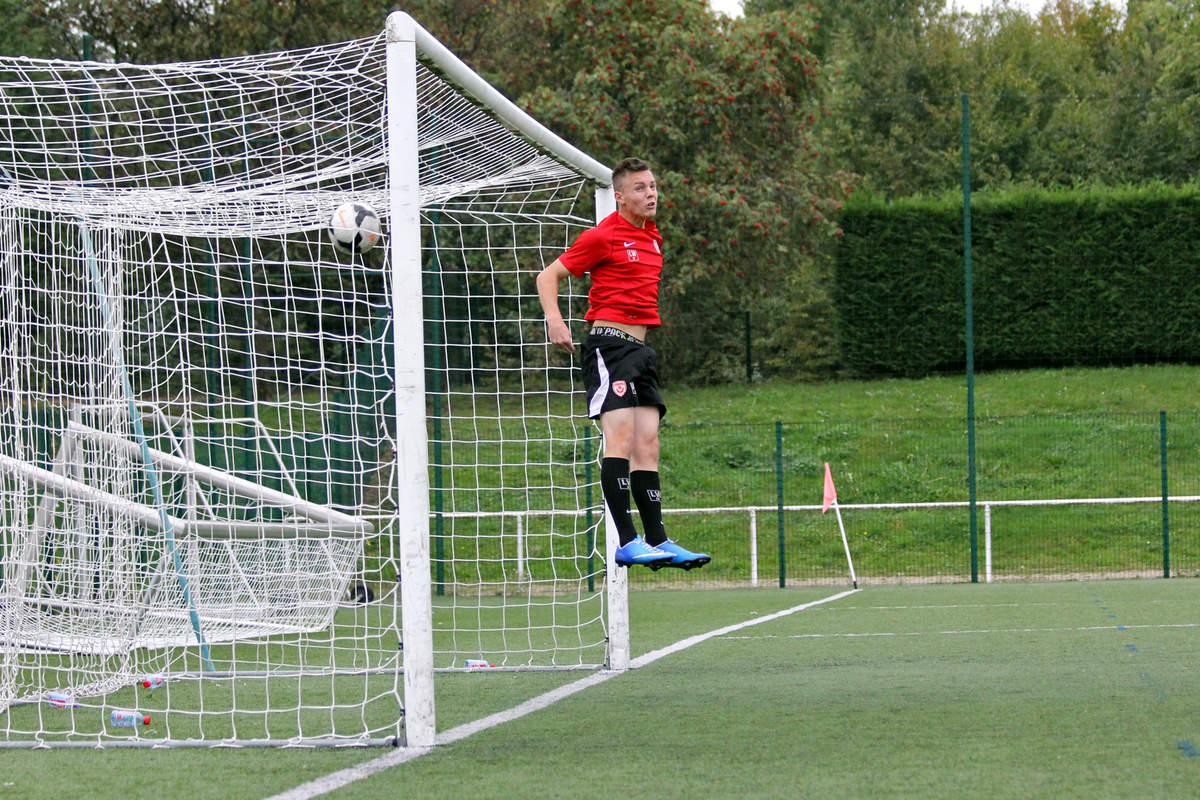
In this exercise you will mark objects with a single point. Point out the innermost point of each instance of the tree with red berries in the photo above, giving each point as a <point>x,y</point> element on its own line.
<point>728,112</point>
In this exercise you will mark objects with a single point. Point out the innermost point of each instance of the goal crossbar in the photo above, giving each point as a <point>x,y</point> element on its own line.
<point>401,27</point>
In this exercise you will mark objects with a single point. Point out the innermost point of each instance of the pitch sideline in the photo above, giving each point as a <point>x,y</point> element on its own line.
<point>402,755</point>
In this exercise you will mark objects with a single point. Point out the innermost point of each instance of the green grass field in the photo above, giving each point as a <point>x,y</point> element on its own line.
<point>1069,689</point>
<point>1034,690</point>
<point>1076,688</point>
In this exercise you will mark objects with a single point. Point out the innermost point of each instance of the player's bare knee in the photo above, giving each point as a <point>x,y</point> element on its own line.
<point>618,442</point>
<point>645,450</point>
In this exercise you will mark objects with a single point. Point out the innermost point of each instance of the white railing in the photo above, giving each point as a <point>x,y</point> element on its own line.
<point>521,555</point>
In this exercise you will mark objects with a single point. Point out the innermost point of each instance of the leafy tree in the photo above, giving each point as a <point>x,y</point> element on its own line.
<point>1153,128</point>
<point>895,100</point>
<point>494,37</point>
<point>853,20</point>
<point>25,32</point>
<point>157,31</point>
<point>122,30</point>
<point>726,111</point>
<point>499,39</point>
<point>1037,86</point>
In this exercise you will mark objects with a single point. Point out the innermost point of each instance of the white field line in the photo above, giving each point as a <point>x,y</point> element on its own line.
<point>402,755</point>
<point>965,632</point>
<point>940,605</point>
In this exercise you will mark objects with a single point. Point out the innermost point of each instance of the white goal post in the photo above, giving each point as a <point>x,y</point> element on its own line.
<point>255,491</point>
<point>407,43</point>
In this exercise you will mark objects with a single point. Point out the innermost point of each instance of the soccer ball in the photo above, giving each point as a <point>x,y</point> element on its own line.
<point>354,228</point>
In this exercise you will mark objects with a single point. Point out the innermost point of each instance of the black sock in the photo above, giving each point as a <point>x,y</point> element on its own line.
<point>614,484</point>
<point>648,496</point>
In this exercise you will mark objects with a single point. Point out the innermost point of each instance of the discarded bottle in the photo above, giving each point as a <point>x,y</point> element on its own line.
<point>154,682</point>
<point>62,700</point>
<point>476,663</point>
<point>128,719</point>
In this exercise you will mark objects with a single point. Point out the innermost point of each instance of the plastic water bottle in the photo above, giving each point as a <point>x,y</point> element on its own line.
<point>128,719</point>
<point>62,700</point>
<point>154,682</point>
<point>477,663</point>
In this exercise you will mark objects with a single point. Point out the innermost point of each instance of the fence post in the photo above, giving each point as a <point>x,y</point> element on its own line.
<point>969,303</point>
<point>749,359</point>
<point>753,547</point>
<point>779,500</point>
<point>1166,526</point>
<point>987,542</point>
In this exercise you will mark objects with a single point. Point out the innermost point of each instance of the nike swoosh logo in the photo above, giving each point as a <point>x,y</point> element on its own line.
<point>629,244</point>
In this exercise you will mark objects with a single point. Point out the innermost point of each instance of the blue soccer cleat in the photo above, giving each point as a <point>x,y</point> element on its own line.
<point>681,557</point>
<point>638,552</point>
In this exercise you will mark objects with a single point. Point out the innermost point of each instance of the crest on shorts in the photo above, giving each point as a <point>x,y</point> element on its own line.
<point>619,388</point>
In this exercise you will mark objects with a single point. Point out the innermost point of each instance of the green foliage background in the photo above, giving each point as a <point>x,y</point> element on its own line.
<point>761,127</point>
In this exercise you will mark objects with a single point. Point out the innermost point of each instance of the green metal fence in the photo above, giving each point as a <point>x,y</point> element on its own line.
<point>1107,495</point>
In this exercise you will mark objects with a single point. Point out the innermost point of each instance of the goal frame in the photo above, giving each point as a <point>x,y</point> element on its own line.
<point>407,44</point>
<point>163,448</point>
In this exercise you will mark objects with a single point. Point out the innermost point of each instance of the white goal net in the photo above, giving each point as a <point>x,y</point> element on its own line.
<point>228,451</point>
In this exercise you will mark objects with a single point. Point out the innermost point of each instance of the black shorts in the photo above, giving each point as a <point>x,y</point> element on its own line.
<point>619,371</point>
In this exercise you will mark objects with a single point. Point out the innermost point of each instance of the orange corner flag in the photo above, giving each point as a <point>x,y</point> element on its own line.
<point>830,492</point>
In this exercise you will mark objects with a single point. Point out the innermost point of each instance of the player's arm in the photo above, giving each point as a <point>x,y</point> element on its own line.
<point>547,285</point>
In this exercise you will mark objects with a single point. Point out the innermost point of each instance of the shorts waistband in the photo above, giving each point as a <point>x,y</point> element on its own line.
<point>617,333</point>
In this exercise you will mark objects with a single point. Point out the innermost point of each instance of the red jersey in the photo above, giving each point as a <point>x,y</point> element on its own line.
<point>626,266</point>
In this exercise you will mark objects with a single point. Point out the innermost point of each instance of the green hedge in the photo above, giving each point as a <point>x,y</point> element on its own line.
<point>1092,276</point>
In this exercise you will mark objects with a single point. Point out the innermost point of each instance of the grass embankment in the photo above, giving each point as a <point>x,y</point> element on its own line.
<point>1040,435</point>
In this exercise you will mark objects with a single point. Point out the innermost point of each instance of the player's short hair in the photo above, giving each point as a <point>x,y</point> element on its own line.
<point>627,167</point>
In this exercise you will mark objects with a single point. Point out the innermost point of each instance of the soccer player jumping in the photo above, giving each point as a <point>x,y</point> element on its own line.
<point>623,254</point>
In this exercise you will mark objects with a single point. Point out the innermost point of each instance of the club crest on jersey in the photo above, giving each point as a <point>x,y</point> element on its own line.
<point>632,254</point>
<point>619,388</point>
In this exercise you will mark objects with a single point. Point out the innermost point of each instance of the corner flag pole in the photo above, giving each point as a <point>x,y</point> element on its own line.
<point>831,500</point>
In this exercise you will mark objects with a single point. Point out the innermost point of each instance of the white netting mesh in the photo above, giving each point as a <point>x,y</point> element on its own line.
<point>196,477</point>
